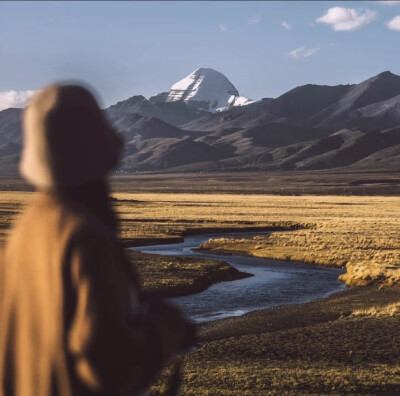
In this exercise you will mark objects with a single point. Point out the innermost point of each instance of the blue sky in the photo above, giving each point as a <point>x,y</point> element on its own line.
<point>128,48</point>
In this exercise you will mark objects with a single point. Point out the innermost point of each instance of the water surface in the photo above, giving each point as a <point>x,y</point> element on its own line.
<point>274,282</point>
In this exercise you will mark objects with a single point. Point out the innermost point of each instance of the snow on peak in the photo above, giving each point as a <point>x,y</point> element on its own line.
<point>206,89</point>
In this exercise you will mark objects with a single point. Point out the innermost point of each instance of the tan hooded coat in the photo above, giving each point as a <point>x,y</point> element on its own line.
<point>70,320</point>
<point>65,304</point>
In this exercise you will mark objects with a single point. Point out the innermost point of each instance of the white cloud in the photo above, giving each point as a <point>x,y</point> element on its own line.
<point>394,24</point>
<point>286,26</point>
<point>341,18</point>
<point>389,2</point>
<point>303,52</point>
<point>223,27</point>
<point>255,19</point>
<point>14,98</point>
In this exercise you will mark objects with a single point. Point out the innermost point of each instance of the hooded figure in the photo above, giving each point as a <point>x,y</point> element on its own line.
<point>72,320</point>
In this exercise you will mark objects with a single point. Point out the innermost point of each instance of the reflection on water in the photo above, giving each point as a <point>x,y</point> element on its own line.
<point>274,282</point>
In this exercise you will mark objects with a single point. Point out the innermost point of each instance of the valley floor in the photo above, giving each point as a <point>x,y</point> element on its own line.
<point>347,344</point>
<point>324,182</point>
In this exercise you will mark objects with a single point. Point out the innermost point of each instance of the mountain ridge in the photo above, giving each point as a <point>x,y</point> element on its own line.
<point>310,127</point>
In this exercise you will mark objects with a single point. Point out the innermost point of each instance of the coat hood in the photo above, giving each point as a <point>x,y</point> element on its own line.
<point>67,140</point>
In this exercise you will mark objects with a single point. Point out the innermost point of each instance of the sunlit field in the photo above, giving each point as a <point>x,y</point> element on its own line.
<point>359,233</point>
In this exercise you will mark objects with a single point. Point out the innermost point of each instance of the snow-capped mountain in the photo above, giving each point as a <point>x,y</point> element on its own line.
<point>205,89</point>
<point>311,127</point>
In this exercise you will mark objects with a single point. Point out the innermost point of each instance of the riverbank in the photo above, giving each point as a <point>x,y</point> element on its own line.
<point>346,344</point>
<point>359,233</point>
<point>273,283</point>
<point>165,276</point>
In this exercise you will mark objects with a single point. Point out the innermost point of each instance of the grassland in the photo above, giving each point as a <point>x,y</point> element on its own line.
<point>347,344</point>
<point>359,233</point>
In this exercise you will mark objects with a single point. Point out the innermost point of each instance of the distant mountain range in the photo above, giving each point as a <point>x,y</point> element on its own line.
<point>203,124</point>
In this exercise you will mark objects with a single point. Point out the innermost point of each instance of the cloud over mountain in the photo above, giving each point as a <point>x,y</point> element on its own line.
<point>394,24</point>
<point>302,52</point>
<point>223,28</point>
<point>14,98</point>
<point>342,19</point>
<point>255,19</point>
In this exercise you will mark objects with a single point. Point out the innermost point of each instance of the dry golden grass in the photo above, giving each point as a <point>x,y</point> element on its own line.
<point>361,233</point>
<point>387,310</point>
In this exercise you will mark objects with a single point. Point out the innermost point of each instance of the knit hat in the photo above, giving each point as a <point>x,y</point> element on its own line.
<point>67,140</point>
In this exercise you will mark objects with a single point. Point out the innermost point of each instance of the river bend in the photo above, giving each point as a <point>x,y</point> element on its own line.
<point>274,282</point>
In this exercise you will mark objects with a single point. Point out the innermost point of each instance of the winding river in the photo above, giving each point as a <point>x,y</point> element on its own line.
<point>274,282</point>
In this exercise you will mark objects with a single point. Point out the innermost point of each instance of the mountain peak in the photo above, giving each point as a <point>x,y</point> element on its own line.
<point>206,70</point>
<point>386,73</point>
<point>129,104</point>
<point>383,77</point>
<point>206,89</point>
<point>376,89</point>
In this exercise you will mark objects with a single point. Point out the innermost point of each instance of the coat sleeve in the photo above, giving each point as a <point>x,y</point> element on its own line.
<point>116,344</point>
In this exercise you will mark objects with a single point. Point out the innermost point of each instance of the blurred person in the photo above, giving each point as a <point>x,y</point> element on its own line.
<point>72,318</point>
